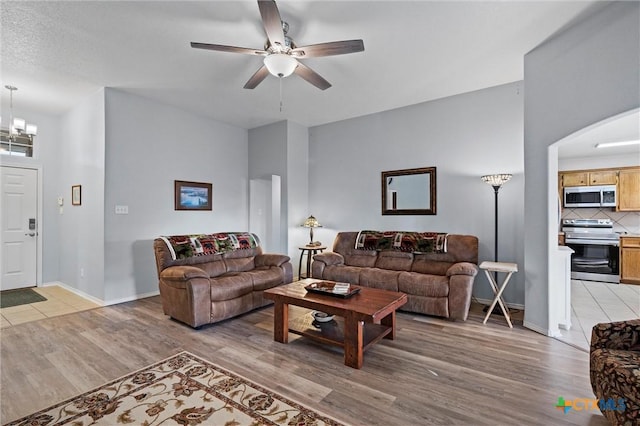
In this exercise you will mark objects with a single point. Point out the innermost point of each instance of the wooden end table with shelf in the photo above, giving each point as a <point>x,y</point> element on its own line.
<point>365,318</point>
<point>309,251</point>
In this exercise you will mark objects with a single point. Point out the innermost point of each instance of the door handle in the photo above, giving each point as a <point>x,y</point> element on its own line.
<point>31,234</point>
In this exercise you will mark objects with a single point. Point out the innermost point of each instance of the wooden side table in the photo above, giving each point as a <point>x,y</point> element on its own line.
<point>309,251</point>
<point>509,268</point>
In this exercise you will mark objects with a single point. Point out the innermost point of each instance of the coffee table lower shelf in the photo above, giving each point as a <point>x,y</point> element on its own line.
<point>332,332</point>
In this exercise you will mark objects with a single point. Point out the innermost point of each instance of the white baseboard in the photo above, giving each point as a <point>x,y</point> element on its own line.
<point>541,330</point>
<point>132,298</point>
<point>100,301</point>
<point>75,291</point>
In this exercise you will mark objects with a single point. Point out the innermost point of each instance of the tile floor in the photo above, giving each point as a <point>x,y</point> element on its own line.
<point>59,302</point>
<point>593,302</point>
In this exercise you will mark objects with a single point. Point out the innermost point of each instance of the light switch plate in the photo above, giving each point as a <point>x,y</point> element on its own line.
<point>122,209</point>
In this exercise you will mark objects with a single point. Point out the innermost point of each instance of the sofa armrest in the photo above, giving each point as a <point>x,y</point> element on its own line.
<point>624,335</point>
<point>182,273</point>
<point>463,268</point>
<point>329,258</point>
<point>271,259</point>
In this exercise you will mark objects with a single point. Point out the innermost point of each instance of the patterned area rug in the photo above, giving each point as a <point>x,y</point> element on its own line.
<point>22,296</point>
<point>181,390</point>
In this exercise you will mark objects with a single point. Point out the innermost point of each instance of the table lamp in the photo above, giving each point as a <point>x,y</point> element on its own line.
<point>311,222</point>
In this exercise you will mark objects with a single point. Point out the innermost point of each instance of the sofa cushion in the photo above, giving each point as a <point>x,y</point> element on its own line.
<point>239,264</point>
<point>394,261</point>
<point>422,264</point>
<point>265,277</point>
<point>347,274</point>
<point>214,268</point>
<point>423,284</point>
<point>363,259</point>
<point>379,278</point>
<point>230,285</point>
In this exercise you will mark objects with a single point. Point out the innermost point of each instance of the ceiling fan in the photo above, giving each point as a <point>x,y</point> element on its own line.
<point>281,55</point>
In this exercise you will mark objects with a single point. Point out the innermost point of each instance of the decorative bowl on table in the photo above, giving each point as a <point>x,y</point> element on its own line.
<point>321,316</point>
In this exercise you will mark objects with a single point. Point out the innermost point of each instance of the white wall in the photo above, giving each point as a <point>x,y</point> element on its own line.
<point>149,145</point>
<point>81,161</point>
<point>464,137</point>
<point>575,79</point>
<point>599,162</point>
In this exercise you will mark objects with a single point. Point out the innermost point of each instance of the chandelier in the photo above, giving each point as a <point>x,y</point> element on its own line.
<point>17,137</point>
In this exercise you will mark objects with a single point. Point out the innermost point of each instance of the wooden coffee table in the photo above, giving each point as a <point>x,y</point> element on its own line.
<point>367,317</point>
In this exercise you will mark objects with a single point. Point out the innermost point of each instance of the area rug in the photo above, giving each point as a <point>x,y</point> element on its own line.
<point>22,296</point>
<point>181,390</point>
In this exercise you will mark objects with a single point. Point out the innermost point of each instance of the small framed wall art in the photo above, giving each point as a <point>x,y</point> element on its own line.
<point>193,195</point>
<point>76,195</point>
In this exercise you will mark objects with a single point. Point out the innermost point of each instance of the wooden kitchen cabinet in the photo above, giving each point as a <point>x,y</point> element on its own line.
<point>629,260</point>
<point>575,178</point>
<point>585,178</point>
<point>629,190</point>
<point>605,177</point>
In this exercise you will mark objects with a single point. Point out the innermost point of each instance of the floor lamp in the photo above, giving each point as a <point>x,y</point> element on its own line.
<point>496,181</point>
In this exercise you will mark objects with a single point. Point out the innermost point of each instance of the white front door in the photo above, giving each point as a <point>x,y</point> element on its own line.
<point>19,222</point>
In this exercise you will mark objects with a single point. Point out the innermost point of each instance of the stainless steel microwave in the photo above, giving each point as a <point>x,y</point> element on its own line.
<point>590,196</point>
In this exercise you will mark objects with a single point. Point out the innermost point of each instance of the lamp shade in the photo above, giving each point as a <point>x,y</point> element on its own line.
<point>497,179</point>
<point>280,64</point>
<point>311,222</point>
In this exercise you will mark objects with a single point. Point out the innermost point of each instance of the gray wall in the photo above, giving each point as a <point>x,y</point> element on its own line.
<point>464,137</point>
<point>149,145</point>
<point>81,231</point>
<point>575,79</point>
<point>282,149</point>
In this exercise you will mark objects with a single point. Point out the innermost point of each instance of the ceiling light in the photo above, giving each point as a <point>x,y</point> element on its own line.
<point>621,143</point>
<point>18,126</point>
<point>17,136</point>
<point>280,64</point>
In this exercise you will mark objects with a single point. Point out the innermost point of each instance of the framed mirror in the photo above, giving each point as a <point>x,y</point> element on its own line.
<point>409,192</point>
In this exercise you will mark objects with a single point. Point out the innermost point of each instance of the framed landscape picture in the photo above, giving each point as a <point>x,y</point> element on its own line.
<point>193,195</point>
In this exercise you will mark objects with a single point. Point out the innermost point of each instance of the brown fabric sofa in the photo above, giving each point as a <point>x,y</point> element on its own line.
<point>210,288</point>
<point>614,364</point>
<point>437,284</point>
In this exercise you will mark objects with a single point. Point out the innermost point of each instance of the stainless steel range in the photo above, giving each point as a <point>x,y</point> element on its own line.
<point>596,247</point>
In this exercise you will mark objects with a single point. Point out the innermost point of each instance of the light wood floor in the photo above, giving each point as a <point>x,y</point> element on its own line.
<point>435,372</point>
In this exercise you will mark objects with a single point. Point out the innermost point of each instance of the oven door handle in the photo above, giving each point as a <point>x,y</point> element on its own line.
<point>594,242</point>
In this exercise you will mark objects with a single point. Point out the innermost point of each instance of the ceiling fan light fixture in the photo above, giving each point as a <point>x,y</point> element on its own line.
<point>280,64</point>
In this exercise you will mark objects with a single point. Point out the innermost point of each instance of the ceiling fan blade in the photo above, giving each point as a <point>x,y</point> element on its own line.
<point>311,76</point>
<point>232,49</point>
<point>328,49</point>
<point>257,78</point>
<point>272,22</point>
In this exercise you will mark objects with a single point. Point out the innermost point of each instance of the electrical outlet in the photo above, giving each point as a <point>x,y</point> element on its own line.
<point>122,209</point>
<point>81,272</point>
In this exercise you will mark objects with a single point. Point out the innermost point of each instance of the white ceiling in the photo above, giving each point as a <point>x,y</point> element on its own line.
<point>618,129</point>
<point>58,52</point>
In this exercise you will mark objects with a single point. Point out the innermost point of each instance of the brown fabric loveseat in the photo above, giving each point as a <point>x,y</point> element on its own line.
<point>208,288</point>
<point>437,284</point>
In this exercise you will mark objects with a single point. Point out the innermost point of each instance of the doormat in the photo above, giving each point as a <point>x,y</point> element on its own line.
<point>21,296</point>
<point>185,390</point>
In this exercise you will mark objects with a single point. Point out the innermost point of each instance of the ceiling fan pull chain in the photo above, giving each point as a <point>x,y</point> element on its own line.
<point>280,78</point>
